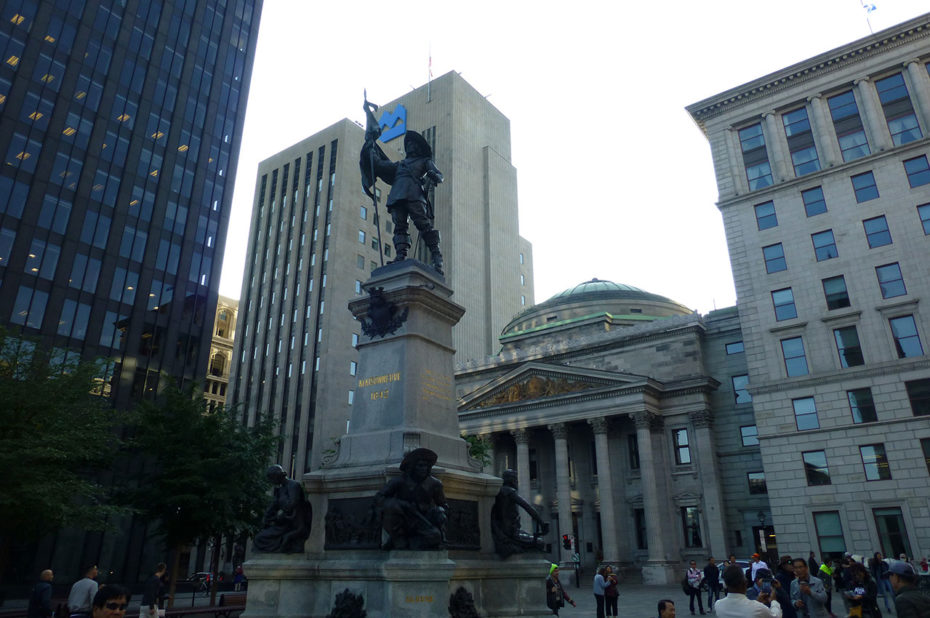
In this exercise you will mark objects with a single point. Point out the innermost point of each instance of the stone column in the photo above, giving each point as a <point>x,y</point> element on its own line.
<point>777,148</point>
<point>522,438</point>
<point>645,422</point>
<point>563,490</point>
<point>710,481</point>
<point>605,490</point>
<point>827,147</point>
<point>735,158</point>
<point>874,120</point>
<point>920,85</point>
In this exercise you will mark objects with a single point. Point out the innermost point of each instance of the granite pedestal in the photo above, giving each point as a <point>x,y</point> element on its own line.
<point>404,400</point>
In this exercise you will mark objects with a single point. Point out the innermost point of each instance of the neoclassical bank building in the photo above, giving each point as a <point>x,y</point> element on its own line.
<point>628,420</point>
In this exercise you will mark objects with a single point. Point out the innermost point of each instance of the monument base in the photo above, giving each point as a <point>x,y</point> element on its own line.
<point>399,583</point>
<point>658,573</point>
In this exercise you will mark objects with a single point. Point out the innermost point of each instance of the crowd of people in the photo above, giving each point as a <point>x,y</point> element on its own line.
<point>849,587</point>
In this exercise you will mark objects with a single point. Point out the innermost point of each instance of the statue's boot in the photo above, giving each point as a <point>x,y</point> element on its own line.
<point>401,245</point>
<point>431,238</point>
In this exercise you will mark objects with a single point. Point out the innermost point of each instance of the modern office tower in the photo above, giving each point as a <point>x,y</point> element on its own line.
<point>315,237</point>
<point>221,349</point>
<point>824,181</point>
<point>121,124</point>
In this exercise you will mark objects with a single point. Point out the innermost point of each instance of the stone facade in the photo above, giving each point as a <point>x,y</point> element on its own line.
<point>619,405</point>
<point>221,349</point>
<point>821,169</point>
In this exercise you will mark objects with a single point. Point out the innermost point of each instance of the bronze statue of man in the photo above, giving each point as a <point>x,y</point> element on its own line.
<point>505,520</point>
<point>287,521</point>
<point>410,180</point>
<point>413,506</point>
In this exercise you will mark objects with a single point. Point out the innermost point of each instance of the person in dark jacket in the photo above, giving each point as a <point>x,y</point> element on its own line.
<point>863,591</point>
<point>152,593</point>
<point>879,571</point>
<point>555,593</point>
<point>908,601</point>
<point>40,601</point>
<point>782,586</point>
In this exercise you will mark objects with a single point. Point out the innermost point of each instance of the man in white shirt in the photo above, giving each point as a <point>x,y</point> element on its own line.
<point>758,563</point>
<point>81,596</point>
<point>736,605</point>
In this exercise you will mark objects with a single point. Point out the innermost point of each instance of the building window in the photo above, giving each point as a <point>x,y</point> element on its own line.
<point>774,256</point>
<point>358,286</point>
<point>740,389</point>
<point>876,232</point>
<point>861,405</point>
<point>918,393</point>
<point>875,462</point>
<point>521,258</point>
<point>800,142</point>
<point>918,171</point>
<point>735,348</point>
<point>749,434</point>
<point>814,203</point>
<point>925,445</point>
<point>353,368</point>
<point>824,245</point>
<point>890,280</point>
<point>834,290</point>
<point>815,467</point>
<point>848,126</point>
<point>363,212</point>
<point>906,339</point>
<point>765,215</point>
<point>682,450</point>
<point>864,187</point>
<point>847,346</point>
<point>923,212</point>
<point>805,413</point>
<point>795,360</point>
<point>354,340</point>
<point>757,482</point>
<point>360,262</point>
<point>892,534</point>
<point>691,525</point>
<point>633,449</point>
<point>899,113</point>
<point>830,533</point>
<point>755,157</point>
<point>639,515</point>
<point>351,397</point>
<point>783,301</point>
<point>361,236</point>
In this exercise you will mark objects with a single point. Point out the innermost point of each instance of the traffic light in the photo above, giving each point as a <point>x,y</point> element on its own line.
<point>566,542</point>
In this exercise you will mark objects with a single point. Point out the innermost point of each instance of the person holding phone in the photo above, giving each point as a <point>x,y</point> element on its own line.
<point>807,592</point>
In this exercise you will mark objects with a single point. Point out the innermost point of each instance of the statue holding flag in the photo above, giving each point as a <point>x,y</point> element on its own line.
<point>410,180</point>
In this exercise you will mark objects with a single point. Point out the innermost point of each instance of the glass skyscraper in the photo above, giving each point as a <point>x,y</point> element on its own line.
<point>120,125</point>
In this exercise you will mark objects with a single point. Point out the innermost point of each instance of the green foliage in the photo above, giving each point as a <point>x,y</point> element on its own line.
<point>203,472</point>
<point>479,448</point>
<point>56,440</point>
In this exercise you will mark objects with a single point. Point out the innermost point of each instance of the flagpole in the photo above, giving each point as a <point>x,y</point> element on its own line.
<point>429,77</point>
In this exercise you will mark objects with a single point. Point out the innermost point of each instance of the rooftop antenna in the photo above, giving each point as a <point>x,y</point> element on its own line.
<point>869,7</point>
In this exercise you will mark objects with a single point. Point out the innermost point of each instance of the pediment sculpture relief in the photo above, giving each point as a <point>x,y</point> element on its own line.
<point>535,387</point>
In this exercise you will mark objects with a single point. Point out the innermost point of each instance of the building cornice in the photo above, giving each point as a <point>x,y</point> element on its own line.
<point>816,67</point>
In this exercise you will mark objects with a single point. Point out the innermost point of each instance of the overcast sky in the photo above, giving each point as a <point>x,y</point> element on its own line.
<point>595,93</point>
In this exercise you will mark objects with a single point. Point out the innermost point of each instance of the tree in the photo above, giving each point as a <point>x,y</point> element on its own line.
<point>479,448</point>
<point>57,438</point>
<point>203,474</point>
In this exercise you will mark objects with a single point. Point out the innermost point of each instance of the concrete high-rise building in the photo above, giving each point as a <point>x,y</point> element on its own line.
<point>315,237</point>
<point>120,125</point>
<point>824,182</point>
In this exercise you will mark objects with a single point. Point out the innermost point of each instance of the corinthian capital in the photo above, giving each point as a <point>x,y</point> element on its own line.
<point>559,431</point>
<point>520,436</point>
<point>599,424</point>
<point>647,420</point>
<point>701,418</point>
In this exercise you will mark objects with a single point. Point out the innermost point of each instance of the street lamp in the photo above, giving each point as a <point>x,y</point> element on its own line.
<point>761,516</point>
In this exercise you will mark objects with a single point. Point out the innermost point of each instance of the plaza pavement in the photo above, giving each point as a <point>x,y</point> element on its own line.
<point>636,600</point>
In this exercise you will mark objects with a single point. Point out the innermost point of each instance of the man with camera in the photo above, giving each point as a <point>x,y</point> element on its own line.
<point>807,592</point>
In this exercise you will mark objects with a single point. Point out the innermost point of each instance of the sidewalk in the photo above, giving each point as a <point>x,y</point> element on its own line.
<point>636,600</point>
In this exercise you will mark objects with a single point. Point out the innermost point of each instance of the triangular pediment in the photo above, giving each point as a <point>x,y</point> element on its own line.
<point>534,381</point>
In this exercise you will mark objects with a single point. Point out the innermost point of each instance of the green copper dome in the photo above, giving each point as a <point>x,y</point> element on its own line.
<point>624,305</point>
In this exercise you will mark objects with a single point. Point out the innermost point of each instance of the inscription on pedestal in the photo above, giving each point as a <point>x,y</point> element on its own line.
<point>462,531</point>
<point>351,525</point>
<point>380,384</point>
<point>436,386</point>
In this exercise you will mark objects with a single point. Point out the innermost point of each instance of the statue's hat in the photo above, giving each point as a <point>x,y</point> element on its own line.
<point>411,458</point>
<point>414,142</point>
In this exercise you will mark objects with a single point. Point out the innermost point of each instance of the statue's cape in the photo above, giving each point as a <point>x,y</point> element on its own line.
<point>368,162</point>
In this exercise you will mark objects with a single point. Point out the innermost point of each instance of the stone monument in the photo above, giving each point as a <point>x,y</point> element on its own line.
<point>404,404</point>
